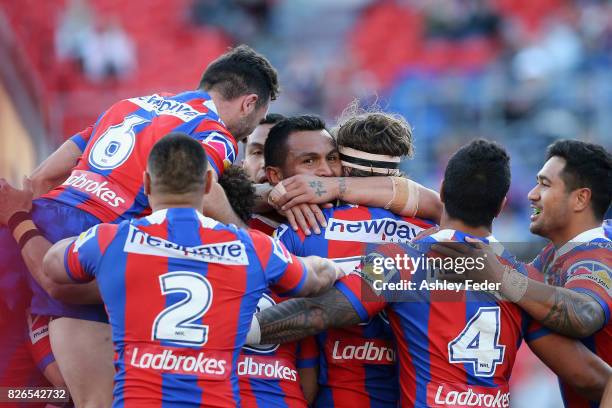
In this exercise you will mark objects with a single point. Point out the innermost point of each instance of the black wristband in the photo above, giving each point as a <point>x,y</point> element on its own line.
<point>27,236</point>
<point>17,219</point>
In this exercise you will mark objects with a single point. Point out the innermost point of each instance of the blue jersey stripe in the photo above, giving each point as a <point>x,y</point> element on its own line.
<point>115,302</point>
<point>183,228</point>
<point>268,393</point>
<point>418,342</point>
<point>255,287</point>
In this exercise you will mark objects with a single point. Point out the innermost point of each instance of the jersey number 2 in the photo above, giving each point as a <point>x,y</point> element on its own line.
<point>177,323</point>
<point>478,343</point>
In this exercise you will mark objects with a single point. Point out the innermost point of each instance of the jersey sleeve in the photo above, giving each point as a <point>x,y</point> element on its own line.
<point>221,148</point>
<point>532,329</point>
<point>285,272</point>
<point>290,239</point>
<point>360,295</point>
<point>592,274</point>
<point>307,353</point>
<point>83,256</point>
<point>81,138</point>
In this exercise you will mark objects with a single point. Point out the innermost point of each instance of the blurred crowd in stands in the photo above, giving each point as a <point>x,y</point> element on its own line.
<point>522,72</point>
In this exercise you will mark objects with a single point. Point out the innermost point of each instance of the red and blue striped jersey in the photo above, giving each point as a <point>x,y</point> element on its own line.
<point>180,290</point>
<point>107,180</point>
<point>268,374</point>
<point>17,366</point>
<point>357,364</point>
<point>455,348</point>
<point>584,264</point>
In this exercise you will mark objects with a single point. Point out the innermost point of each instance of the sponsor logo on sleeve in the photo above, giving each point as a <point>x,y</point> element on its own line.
<point>84,237</point>
<point>280,251</point>
<point>226,253</point>
<point>593,271</point>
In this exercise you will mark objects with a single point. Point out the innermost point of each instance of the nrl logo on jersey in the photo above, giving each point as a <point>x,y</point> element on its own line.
<point>380,230</point>
<point>227,253</point>
<point>163,106</point>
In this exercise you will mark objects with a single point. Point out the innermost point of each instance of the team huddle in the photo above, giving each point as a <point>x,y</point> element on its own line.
<point>141,267</point>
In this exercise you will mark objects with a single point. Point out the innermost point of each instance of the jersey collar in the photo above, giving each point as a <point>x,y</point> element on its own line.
<point>580,239</point>
<point>451,234</point>
<point>159,216</point>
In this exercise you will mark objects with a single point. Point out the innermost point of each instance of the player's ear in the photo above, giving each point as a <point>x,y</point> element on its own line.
<point>208,180</point>
<point>249,103</point>
<point>442,191</point>
<point>581,199</point>
<point>274,175</point>
<point>501,207</point>
<point>146,181</point>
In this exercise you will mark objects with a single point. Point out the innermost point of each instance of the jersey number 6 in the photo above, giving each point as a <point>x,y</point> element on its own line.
<point>115,145</point>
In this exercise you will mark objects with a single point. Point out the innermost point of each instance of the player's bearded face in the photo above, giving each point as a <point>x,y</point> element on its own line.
<point>247,125</point>
<point>549,200</point>
<point>254,158</point>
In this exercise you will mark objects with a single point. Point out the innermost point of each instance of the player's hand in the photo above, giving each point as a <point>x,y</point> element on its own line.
<point>483,264</point>
<point>13,200</point>
<point>307,217</point>
<point>303,189</point>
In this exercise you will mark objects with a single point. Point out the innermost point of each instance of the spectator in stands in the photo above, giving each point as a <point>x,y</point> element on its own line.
<point>109,53</point>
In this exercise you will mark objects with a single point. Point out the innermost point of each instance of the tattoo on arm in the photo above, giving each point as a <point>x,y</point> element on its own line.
<point>574,314</point>
<point>318,187</point>
<point>341,188</point>
<point>303,317</point>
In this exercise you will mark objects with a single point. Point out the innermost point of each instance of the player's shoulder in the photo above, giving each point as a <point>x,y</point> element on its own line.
<point>590,245</point>
<point>101,235</point>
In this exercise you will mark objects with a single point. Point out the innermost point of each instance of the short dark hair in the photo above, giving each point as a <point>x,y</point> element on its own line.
<point>587,165</point>
<point>272,119</point>
<point>177,164</point>
<point>239,190</point>
<point>476,180</point>
<point>374,131</point>
<point>275,148</point>
<point>241,71</point>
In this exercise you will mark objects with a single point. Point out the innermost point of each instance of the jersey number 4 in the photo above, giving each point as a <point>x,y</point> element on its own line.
<point>178,323</point>
<point>478,343</point>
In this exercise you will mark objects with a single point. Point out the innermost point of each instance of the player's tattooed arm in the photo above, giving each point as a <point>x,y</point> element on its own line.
<point>562,310</point>
<point>368,191</point>
<point>303,317</point>
<point>568,312</point>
